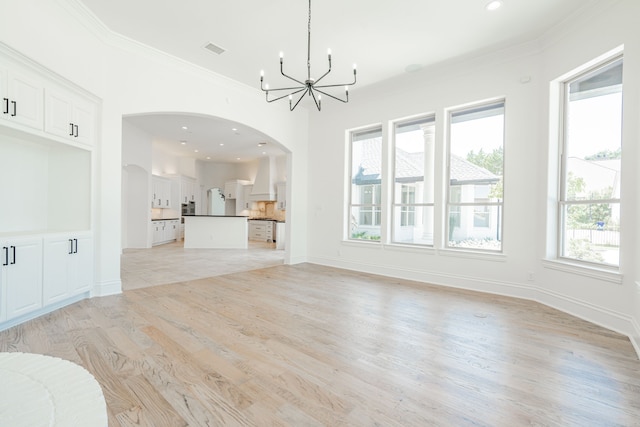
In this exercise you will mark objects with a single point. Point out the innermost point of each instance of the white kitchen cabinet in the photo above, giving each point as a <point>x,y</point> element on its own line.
<point>157,232</point>
<point>67,266</point>
<point>234,188</point>
<point>20,276</point>
<point>69,116</point>
<point>165,231</point>
<point>21,93</point>
<point>281,196</point>
<point>161,197</point>
<point>246,197</point>
<point>261,230</point>
<point>187,190</point>
<point>171,230</point>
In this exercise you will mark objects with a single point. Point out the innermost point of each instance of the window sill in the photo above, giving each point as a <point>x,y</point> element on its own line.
<point>485,256</point>
<point>583,270</point>
<point>410,248</point>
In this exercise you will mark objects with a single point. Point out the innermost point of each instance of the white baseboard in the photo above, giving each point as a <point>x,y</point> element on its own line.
<point>104,289</point>
<point>612,320</point>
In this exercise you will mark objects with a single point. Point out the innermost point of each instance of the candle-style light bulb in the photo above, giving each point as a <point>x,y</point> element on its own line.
<point>329,53</point>
<point>261,73</point>
<point>346,89</point>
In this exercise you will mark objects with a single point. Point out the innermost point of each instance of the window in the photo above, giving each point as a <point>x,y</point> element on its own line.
<point>365,207</point>
<point>413,190</point>
<point>589,205</point>
<point>475,172</point>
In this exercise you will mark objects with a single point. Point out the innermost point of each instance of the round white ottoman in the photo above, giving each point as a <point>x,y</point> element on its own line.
<point>37,390</point>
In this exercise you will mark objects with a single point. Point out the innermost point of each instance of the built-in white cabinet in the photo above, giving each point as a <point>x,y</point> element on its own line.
<point>281,232</point>
<point>165,231</point>
<point>20,276</point>
<point>187,190</point>
<point>67,266</point>
<point>21,93</point>
<point>161,192</point>
<point>246,197</point>
<point>69,116</point>
<point>46,180</point>
<point>233,189</point>
<point>261,230</point>
<point>281,196</point>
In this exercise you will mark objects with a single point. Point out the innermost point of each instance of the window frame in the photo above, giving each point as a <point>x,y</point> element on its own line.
<point>458,206</point>
<point>562,200</point>
<point>402,209</point>
<point>373,207</point>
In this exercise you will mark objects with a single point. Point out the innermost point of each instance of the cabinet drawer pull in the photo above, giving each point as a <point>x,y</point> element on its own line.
<point>6,255</point>
<point>6,106</point>
<point>14,108</point>
<point>75,134</point>
<point>13,249</point>
<point>70,129</point>
<point>70,246</point>
<point>76,242</point>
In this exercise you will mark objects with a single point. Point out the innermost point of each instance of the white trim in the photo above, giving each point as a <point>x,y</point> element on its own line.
<point>583,270</point>
<point>41,312</point>
<point>103,289</point>
<point>462,253</point>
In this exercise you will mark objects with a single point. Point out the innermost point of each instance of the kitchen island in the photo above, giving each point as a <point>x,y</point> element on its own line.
<point>215,231</point>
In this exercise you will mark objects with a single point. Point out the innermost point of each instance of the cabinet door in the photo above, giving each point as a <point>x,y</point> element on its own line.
<point>81,266</point>
<point>281,203</point>
<point>83,116</point>
<point>230,189</point>
<point>25,99</point>
<point>55,268</point>
<point>58,119</point>
<point>23,274</point>
<point>246,196</point>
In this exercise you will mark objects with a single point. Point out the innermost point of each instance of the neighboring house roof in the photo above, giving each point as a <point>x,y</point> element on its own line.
<point>464,172</point>
<point>410,168</point>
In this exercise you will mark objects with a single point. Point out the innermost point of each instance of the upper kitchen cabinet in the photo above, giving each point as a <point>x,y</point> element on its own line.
<point>69,116</point>
<point>21,93</point>
<point>281,194</point>
<point>161,197</point>
<point>187,189</point>
<point>233,189</point>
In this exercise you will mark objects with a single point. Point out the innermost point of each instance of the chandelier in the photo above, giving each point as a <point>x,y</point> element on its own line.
<point>309,86</point>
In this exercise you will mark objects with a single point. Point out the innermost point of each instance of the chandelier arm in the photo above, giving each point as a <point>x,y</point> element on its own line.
<point>317,101</point>
<point>299,99</point>
<point>337,85</point>
<point>289,77</point>
<point>285,88</point>
<point>331,96</point>
<point>322,76</point>
<point>284,96</point>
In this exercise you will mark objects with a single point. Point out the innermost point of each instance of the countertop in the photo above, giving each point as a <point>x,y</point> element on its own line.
<point>215,216</point>
<point>165,219</point>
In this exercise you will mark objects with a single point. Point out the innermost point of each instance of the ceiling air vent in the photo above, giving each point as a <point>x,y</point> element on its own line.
<point>214,48</point>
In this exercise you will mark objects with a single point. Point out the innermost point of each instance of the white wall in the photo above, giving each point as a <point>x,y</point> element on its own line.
<point>521,75</point>
<point>133,79</point>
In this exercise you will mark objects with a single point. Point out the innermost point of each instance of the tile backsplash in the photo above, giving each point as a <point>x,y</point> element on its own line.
<point>267,210</point>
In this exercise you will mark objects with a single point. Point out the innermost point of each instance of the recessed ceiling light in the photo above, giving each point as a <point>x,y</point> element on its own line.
<point>234,129</point>
<point>221,145</point>
<point>183,142</point>
<point>237,158</point>
<point>208,158</point>
<point>184,128</point>
<point>493,5</point>
<point>264,153</point>
<point>196,151</point>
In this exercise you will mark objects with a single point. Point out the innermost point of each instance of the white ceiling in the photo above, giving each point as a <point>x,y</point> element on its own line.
<point>384,38</point>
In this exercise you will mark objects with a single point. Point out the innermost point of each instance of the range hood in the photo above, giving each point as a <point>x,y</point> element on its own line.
<point>264,188</point>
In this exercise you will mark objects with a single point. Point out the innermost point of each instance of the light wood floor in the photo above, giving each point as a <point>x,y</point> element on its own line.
<point>172,263</point>
<point>307,345</point>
